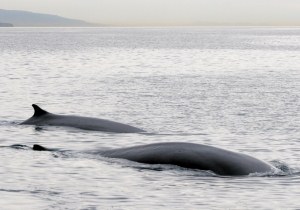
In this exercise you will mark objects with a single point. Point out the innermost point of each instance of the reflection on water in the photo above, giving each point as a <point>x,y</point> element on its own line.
<point>233,88</point>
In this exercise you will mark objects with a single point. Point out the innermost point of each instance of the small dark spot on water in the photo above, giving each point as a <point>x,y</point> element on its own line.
<point>37,128</point>
<point>55,156</point>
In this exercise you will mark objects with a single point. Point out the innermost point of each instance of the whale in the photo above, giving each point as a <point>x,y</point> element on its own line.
<point>187,155</point>
<point>43,118</point>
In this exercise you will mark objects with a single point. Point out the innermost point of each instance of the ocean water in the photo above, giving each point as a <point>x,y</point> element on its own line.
<point>235,88</point>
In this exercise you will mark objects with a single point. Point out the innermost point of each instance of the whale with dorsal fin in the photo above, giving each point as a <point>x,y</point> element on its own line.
<point>187,155</point>
<point>42,117</point>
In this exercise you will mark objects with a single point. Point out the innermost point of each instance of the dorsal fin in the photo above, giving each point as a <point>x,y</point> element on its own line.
<point>38,111</point>
<point>38,147</point>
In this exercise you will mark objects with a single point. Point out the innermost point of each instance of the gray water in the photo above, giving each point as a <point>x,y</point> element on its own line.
<point>233,88</point>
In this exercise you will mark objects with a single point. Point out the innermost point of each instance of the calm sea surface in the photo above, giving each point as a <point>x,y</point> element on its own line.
<point>233,88</point>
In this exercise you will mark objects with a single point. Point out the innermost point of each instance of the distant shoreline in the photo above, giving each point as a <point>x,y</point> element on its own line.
<point>19,18</point>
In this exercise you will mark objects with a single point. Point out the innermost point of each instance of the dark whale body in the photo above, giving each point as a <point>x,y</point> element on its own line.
<point>188,155</point>
<point>42,117</point>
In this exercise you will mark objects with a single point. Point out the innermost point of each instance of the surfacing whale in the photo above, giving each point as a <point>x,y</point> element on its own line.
<point>188,155</point>
<point>42,117</point>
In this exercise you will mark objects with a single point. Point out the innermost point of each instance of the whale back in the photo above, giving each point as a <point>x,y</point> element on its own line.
<point>42,117</point>
<point>189,155</point>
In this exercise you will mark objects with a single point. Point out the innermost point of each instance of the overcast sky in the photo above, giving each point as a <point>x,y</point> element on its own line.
<point>167,12</point>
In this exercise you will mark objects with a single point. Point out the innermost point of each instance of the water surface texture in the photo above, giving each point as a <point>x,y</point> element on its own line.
<point>233,88</point>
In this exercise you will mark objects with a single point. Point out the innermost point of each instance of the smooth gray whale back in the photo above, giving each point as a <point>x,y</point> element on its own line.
<point>42,117</point>
<point>188,155</point>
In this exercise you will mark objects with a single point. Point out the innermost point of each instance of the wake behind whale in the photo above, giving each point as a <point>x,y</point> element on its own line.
<point>42,117</point>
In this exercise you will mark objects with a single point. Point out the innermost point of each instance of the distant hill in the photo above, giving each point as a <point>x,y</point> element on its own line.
<point>27,19</point>
<point>6,25</point>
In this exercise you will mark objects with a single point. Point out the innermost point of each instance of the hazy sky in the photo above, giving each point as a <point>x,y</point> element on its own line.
<point>167,12</point>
